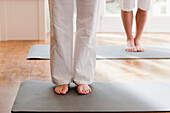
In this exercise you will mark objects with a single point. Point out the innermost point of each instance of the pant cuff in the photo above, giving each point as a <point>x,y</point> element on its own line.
<point>127,10</point>
<point>82,82</point>
<point>61,82</point>
<point>144,9</point>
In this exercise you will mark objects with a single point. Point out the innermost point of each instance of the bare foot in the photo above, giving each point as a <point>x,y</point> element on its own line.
<point>138,45</point>
<point>131,46</point>
<point>83,89</point>
<point>62,89</point>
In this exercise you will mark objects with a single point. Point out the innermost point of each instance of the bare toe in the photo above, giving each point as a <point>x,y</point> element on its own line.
<point>140,49</point>
<point>134,50</point>
<point>64,91</point>
<point>79,90</point>
<point>83,89</point>
<point>87,91</point>
<point>56,90</point>
<point>61,89</point>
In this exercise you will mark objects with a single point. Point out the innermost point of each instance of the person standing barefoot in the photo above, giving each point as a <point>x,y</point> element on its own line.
<point>127,6</point>
<point>65,68</point>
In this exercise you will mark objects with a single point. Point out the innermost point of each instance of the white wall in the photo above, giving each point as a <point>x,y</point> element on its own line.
<point>48,16</point>
<point>22,20</point>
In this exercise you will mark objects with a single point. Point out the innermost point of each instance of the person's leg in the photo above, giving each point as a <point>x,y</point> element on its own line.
<point>127,19</point>
<point>85,46</point>
<point>141,17</point>
<point>61,44</point>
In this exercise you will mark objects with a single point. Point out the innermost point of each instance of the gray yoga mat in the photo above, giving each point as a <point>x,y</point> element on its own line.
<point>39,52</point>
<point>108,52</point>
<point>39,96</point>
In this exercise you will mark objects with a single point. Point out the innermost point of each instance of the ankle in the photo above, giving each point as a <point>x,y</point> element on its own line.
<point>130,39</point>
<point>137,38</point>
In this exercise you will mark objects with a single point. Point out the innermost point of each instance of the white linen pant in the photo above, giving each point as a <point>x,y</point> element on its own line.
<point>65,69</point>
<point>129,5</point>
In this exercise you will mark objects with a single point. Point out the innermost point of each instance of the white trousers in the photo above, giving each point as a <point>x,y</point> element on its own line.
<point>129,5</point>
<point>65,69</point>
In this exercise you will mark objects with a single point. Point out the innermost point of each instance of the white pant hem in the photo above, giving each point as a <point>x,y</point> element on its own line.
<point>82,82</point>
<point>61,82</point>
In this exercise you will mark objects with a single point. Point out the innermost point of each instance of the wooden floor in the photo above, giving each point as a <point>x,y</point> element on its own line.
<point>14,68</point>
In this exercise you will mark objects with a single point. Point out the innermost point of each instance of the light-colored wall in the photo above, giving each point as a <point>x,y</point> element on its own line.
<point>23,19</point>
<point>47,16</point>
